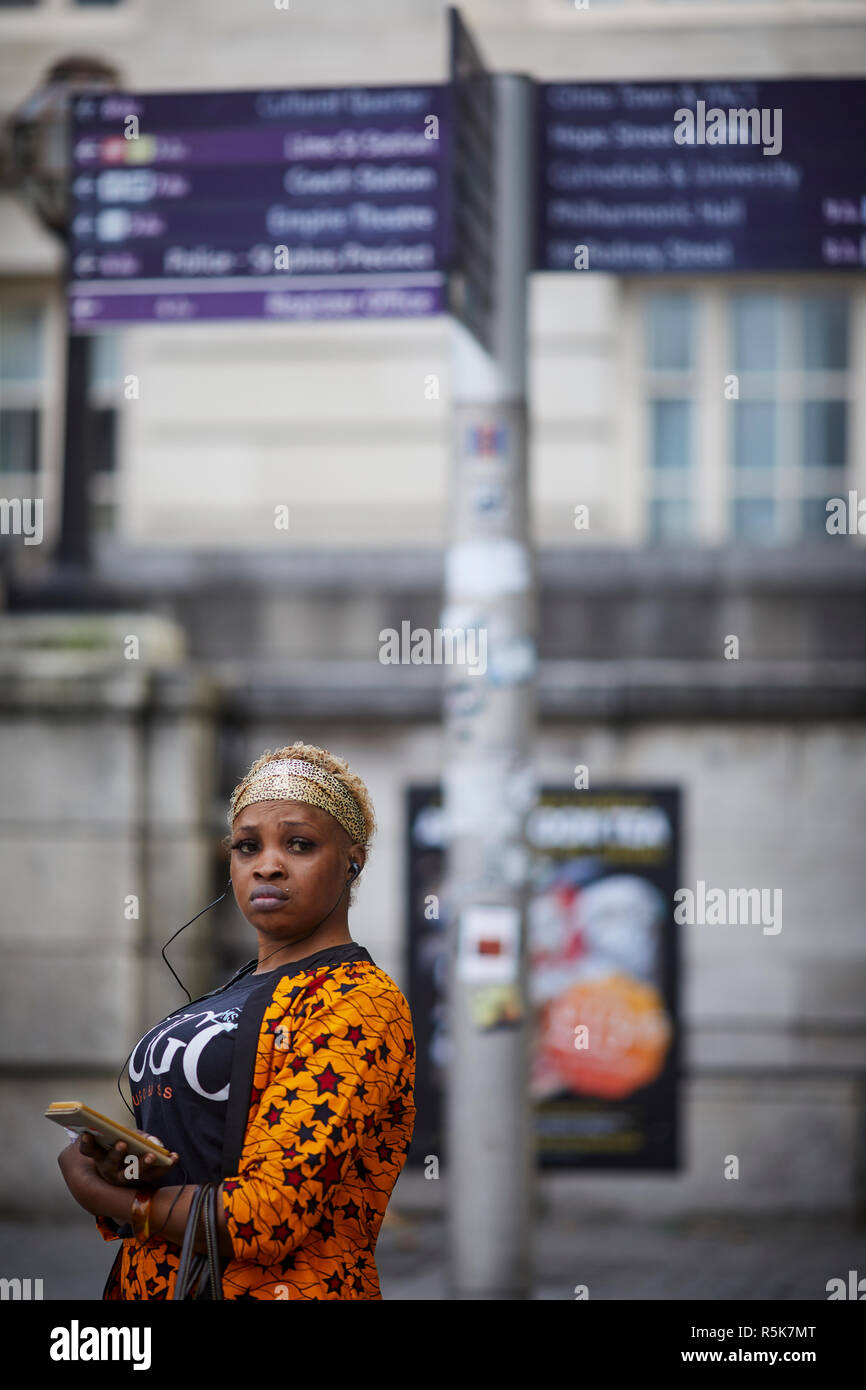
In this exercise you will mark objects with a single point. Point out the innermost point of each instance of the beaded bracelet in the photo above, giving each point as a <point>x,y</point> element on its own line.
<point>140,1214</point>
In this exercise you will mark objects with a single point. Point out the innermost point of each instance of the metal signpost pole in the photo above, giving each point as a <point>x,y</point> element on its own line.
<point>488,783</point>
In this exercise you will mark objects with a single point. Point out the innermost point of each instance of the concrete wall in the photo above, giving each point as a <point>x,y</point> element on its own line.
<point>116,783</point>
<point>107,784</point>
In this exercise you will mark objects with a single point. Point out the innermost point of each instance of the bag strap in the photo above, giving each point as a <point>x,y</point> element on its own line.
<point>185,1272</point>
<point>198,1277</point>
<point>211,1235</point>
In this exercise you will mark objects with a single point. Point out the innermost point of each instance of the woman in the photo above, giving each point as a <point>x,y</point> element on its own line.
<point>293,1083</point>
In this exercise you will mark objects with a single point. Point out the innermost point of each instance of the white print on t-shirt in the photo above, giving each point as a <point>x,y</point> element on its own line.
<point>219,1023</point>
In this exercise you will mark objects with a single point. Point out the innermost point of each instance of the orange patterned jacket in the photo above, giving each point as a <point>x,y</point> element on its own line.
<point>303,1210</point>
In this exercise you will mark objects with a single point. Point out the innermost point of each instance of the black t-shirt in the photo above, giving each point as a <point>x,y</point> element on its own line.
<point>179,1077</point>
<point>179,1071</point>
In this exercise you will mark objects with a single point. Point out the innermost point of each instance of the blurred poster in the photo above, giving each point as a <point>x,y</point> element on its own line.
<point>603,975</point>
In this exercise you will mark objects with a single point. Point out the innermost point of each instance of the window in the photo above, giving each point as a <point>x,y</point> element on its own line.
<point>788,442</point>
<point>670,346</point>
<point>32,383</point>
<point>106,382</point>
<point>22,373</point>
<point>747,413</point>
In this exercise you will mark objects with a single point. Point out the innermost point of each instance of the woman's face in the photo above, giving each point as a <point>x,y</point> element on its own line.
<point>289,862</point>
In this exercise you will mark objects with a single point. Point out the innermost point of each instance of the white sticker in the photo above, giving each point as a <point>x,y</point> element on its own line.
<point>486,568</point>
<point>488,944</point>
<point>511,661</point>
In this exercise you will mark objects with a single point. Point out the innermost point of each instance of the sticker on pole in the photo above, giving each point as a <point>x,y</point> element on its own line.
<point>488,949</point>
<point>496,1006</point>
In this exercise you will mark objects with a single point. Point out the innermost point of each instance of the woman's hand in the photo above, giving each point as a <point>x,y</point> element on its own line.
<point>80,1175</point>
<point>114,1166</point>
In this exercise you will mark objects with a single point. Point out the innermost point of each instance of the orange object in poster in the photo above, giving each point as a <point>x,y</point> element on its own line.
<point>606,1035</point>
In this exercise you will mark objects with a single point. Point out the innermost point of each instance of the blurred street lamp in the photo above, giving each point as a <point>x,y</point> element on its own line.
<point>35,159</point>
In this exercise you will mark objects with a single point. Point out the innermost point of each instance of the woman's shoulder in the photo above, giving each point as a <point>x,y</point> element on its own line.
<point>327,985</point>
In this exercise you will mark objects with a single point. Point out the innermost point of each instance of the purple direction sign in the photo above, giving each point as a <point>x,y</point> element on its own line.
<point>701,176</point>
<point>304,204</point>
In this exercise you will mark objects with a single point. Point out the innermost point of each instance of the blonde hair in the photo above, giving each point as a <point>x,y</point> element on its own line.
<point>320,757</point>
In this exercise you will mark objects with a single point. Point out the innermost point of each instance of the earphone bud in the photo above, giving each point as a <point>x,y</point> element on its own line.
<point>355,869</point>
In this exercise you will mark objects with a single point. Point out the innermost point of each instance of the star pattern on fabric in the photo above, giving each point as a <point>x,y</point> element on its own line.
<point>330,1172</point>
<point>328,1080</point>
<point>314,984</point>
<point>328,1128</point>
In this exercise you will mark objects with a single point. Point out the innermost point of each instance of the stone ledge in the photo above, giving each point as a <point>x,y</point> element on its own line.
<point>634,691</point>
<point>121,569</point>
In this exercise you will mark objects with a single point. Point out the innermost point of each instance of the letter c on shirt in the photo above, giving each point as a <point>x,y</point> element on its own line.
<point>191,1059</point>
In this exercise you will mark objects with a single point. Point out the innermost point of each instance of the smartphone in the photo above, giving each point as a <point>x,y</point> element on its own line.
<point>83,1120</point>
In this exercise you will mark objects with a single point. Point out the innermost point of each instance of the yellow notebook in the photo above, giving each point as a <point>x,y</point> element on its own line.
<point>83,1120</point>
